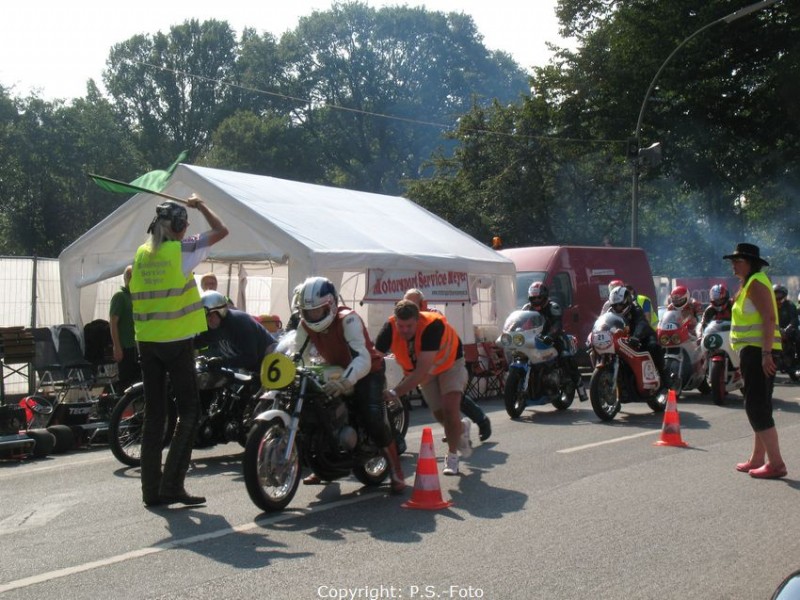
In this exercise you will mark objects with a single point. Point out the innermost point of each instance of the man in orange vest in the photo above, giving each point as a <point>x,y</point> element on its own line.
<point>430,353</point>
<point>468,406</point>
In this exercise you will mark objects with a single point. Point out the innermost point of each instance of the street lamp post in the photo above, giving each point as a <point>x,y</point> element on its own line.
<point>637,134</point>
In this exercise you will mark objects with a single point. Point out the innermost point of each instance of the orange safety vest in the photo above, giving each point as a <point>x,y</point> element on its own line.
<point>445,356</point>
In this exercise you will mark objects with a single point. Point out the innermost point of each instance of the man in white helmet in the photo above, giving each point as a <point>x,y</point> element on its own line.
<point>341,338</point>
<point>233,335</point>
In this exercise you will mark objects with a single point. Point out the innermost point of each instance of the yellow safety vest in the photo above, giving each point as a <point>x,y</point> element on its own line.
<point>166,304</point>
<point>641,300</point>
<point>746,321</point>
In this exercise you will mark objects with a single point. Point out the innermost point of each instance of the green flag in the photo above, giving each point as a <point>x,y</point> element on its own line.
<point>154,181</point>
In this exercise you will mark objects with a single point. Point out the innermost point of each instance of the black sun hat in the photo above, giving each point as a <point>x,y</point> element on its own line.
<point>748,251</point>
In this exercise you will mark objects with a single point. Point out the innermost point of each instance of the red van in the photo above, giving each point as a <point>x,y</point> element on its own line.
<point>578,278</point>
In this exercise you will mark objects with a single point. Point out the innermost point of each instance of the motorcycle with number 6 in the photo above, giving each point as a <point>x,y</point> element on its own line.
<point>534,373</point>
<point>306,427</point>
<point>622,373</point>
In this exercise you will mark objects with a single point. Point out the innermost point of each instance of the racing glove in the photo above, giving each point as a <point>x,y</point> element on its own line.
<point>547,340</point>
<point>635,343</point>
<point>338,387</point>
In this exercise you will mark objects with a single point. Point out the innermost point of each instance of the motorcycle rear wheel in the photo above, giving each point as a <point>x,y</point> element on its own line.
<point>125,427</point>
<point>717,377</point>
<point>603,394</point>
<point>271,483</point>
<point>513,394</point>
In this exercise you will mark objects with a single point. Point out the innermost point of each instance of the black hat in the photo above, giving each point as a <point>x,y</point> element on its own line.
<point>748,251</point>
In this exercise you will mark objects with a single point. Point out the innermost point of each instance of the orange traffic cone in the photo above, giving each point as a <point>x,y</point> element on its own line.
<point>427,494</point>
<point>671,430</point>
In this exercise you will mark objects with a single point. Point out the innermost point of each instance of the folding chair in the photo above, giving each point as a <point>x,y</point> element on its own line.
<point>60,364</point>
<point>486,367</point>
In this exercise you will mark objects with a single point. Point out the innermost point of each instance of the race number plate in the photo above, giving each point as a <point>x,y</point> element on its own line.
<point>277,371</point>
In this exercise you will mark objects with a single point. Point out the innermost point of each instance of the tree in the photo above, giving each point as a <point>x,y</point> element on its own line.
<point>174,89</point>
<point>381,86</point>
<point>45,150</point>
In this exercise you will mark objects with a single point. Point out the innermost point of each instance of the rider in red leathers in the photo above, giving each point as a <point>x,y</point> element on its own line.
<point>690,309</point>
<point>720,307</point>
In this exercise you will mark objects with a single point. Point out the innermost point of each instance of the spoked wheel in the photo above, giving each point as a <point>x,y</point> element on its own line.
<point>513,393</point>
<point>398,415</point>
<point>270,478</point>
<point>717,376</point>
<point>373,472</point>
<point>125,427</point>
<point>603,394</point>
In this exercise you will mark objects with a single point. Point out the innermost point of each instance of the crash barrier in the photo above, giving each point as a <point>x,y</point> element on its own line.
<point>427,493</point>
<point>487,368</point>
<point>671,430</point>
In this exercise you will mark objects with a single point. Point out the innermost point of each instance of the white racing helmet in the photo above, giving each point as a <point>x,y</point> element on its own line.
<point>317,292</point>
<point>213,301</point>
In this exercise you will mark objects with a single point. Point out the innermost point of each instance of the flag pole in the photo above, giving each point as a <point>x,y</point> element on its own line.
<point>136,188</point>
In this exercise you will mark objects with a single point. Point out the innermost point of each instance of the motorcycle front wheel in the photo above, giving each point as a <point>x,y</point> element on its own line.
<point>271,480</point>
<point>513,393</point>
<point>603,394</point>
<point>566,396</point>
<point>373,472</point>
<point>125,427</point>
<point>676,383</point>
<point>398,415</point>
<point>717,377</point>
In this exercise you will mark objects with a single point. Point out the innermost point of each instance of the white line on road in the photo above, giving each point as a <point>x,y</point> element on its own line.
<point>603,443</point>
<point>133,554</point>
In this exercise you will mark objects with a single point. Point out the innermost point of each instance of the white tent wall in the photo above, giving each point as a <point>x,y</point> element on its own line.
<point>31,292</point>
<point>284,231</point>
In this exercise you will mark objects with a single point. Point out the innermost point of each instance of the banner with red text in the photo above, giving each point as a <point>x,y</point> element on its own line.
<point>389,285</point>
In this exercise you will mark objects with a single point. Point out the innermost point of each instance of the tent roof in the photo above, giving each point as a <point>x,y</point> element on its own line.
<point>313,228</point>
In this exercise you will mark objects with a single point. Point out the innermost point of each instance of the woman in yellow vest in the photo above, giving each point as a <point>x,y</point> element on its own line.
<point>167,314</point>
<point>755,336</point>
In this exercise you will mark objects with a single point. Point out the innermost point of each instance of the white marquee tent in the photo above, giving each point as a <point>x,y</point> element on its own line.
<point>283,231</point>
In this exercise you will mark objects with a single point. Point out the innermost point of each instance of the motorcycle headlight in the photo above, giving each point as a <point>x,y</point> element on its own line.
<point>664,339</point>
<point>518,339</point>
<point>505,339</point>
<point>676,338</point>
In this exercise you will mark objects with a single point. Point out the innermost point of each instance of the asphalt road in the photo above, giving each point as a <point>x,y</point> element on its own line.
<point>556,505</point>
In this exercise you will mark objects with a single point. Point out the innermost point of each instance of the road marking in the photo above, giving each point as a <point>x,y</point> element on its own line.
<point>612,441</point>
<point>14,472</point>
<point>171,545</point>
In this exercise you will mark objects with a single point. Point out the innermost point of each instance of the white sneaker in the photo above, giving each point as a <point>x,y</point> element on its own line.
<point>450,464</point>
<point>465,444</point>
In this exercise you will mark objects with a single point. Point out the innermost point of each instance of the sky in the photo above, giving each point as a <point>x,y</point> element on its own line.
<point>52,48</point>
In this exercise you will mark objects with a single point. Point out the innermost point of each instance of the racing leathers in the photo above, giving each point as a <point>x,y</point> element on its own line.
<point>642,335</point>
<point>553,332</point>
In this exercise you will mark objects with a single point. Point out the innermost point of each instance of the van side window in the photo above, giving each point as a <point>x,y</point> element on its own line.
<point>561,289</point>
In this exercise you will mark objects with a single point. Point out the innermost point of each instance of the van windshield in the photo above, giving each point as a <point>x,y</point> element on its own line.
<point>524,281</point>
